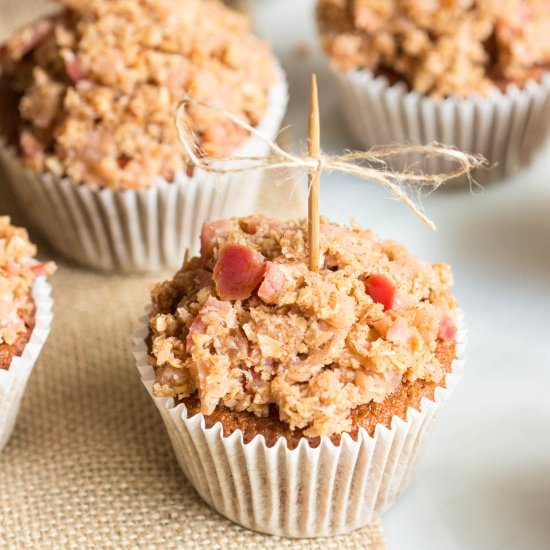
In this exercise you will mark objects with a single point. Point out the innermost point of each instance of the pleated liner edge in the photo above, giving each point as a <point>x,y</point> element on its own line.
<point>507,128</point>
<point>303,492</point>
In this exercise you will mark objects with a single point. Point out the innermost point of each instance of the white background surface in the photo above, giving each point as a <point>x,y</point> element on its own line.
<point>484,482</point>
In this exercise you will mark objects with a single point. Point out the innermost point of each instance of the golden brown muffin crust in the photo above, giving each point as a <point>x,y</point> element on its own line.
<point>368,416</point>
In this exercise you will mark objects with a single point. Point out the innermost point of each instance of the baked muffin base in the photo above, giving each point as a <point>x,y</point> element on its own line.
<point>367,416</point>
<point>8,352</point>
<point>303,492</point>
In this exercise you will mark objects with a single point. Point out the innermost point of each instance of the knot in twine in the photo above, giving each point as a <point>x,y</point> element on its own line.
<point>366,165</point>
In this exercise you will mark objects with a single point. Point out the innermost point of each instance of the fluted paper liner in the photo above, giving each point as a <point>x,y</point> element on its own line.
<point>139,230</point>
<point>303,492</point>
<point>14,380</point>
<point>507,128</point>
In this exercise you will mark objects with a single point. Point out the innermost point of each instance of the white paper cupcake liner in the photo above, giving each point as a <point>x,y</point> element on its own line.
<point>304,492</point>
<point>139,230</point>
<point>506,128</point>
<point>14,380</point>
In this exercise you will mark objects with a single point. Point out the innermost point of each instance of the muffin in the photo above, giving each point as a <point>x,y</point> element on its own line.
<point>25,318</point>
<point>93,149</point>
<point>297,402</point>
<point>241,5</point>
<point>472,74</point>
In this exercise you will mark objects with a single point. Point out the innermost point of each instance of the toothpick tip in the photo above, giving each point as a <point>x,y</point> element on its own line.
<point>313,81</point>
<point>314,133</point>
<point>314,149</point>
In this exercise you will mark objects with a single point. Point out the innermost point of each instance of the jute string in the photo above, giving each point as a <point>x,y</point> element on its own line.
<point>366,165</point>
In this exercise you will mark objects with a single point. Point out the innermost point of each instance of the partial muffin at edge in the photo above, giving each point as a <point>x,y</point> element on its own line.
<point>18,271</point>
<point>457,49</point>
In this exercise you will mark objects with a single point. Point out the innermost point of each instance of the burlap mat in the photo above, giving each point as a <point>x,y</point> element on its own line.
<point>89,464</point>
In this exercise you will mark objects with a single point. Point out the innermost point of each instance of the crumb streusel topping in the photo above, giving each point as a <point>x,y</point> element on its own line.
<point>456,47</point>
<point>247,325</point>
<point>98,84</point>
<point>18,271</point>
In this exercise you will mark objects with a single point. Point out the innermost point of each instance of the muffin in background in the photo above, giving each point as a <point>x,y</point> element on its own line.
<point>241,5</point>
<point>472,74</point>
<point>297,402</point>
<point>25,318</point>
<point>95,146</point>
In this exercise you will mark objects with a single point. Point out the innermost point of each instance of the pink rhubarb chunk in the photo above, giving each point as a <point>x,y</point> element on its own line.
<point>399,332</point>
<point>238,272</point>
<point>40,269</point>
<point>74,69</point>
<point>381,290</point>
<point>211,307</point>
<point>447,329</point>
<point>272,285</point>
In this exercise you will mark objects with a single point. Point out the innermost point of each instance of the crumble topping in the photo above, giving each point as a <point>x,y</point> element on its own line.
<point>456,47</point>
<point>18,271</point>
<point>98,84</point>
<point>247,325</point>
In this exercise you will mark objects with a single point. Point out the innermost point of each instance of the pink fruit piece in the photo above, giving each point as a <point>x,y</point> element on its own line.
<point>447,330</point>
<point>12,268</point>
<point>381,290</point>
<point>210,308</point>
<point>40,269</point>
<point>274,280</point>
<point>238,271</point>
<point>74,69</point>
<point>30,146</point>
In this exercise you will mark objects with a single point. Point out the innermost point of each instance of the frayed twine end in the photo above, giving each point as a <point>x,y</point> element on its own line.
<point>366,165</point>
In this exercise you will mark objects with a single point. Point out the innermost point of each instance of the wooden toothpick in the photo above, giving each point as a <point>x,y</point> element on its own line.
<point>314,177</point>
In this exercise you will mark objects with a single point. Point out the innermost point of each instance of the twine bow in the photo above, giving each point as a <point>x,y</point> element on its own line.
<point>366,165</point>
